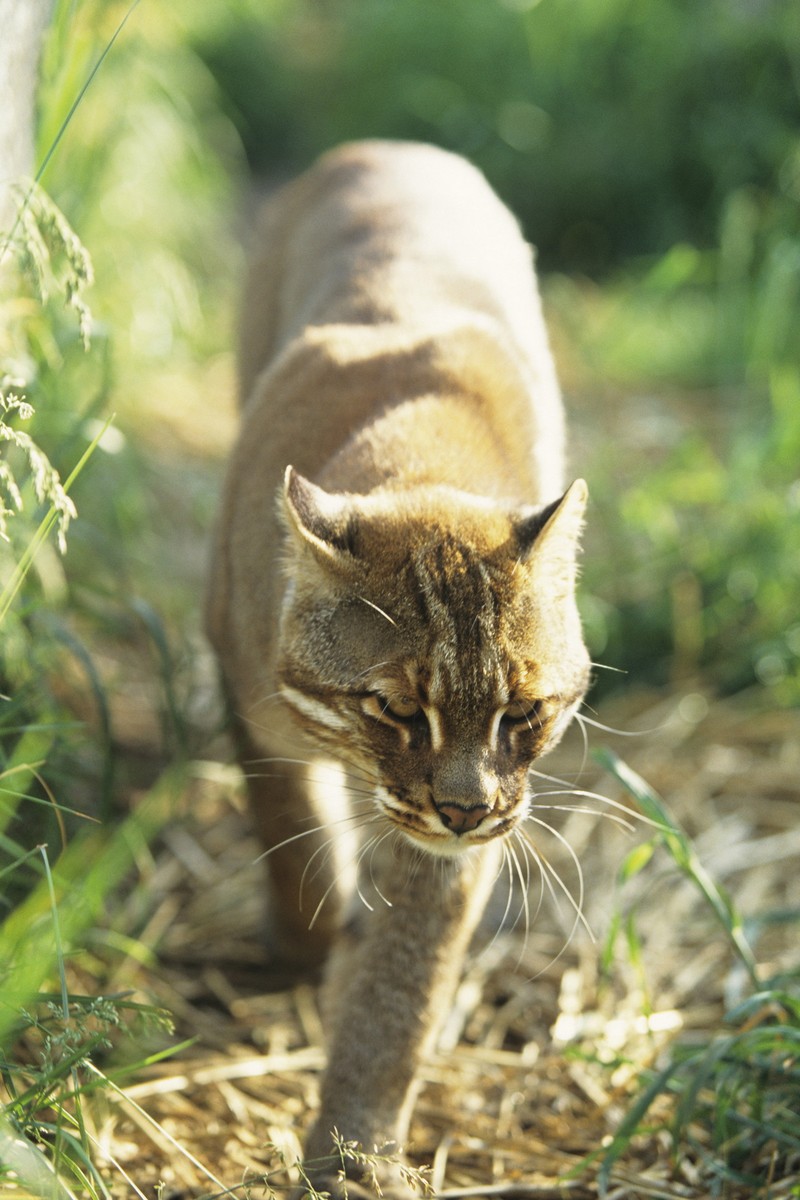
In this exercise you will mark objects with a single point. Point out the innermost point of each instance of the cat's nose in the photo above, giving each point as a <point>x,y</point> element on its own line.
<point>461,820</point>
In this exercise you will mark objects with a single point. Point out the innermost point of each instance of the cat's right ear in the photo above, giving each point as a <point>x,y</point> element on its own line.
<point>550,537</point>
<point>324,522</point>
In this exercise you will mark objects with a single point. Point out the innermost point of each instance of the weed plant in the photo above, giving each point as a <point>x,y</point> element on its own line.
<point>733,1095</point>
<point>58,866</point>
<point>40,1094</point>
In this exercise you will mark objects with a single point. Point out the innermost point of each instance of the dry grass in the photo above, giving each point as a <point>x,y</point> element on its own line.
<point>539,1057</point>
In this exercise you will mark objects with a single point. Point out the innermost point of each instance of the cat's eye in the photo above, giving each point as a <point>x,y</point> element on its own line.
<point>523,714</point>
<point>402,707</point>
<point>399,706</point>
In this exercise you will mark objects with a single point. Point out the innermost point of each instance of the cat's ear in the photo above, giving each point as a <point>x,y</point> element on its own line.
<point>323,521</point>
<point>550,536</point>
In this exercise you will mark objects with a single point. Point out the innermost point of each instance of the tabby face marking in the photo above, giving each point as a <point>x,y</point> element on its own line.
<point>432,652</point>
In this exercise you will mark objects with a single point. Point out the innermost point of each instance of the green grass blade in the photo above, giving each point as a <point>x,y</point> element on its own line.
<point>27,944</point>
<point>30,752</point>
<point>630,1125</point>
<point>685,857</point>
<point>9,592</point>
<point>157,633</point>
<point>703,1073</point>
<point>10,235</point>
<point>79,98</point>
<point>104,740</point>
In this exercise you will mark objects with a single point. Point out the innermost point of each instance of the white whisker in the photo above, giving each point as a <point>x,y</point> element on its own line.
<point>270,696</point>
<point>358,795</point>
<point>583,719</point>
<point>321,904</point>
<point>335,882</point>
<point>531,855</point>
<point>367,670</point>
<point>628,813</point>
<point>546,871</point>
<point>508,869</point>
<point>328,846</point>
<point>288,841</point>
<point>524,884</point>
<point>549,778</point>
<point>370,845</point>
<point>304,833</point>
<point>373,881</point>
<point>589,812</point>
<point>360,773</point>
<point>377,609</point>
<point>369,782</point>
<point>503,867</point>
<point>577,905</point>
<point>585,740</point>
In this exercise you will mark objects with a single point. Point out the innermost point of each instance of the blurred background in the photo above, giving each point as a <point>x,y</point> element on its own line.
<point>651,150</point>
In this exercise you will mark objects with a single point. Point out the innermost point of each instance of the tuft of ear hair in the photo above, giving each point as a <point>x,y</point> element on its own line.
<point>326,522</point>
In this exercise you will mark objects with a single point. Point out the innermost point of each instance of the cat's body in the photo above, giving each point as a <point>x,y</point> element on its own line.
<point>409,614</point>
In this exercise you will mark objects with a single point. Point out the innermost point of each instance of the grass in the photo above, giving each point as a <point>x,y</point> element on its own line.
<point>733,1095</point>
<point>692,573</point>
<point>50,1042</point>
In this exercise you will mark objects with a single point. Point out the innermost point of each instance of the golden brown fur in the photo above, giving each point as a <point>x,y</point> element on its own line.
<point>410,613</point>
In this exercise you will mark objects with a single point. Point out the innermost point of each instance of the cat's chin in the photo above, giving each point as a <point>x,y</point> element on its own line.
<point>450,848</point>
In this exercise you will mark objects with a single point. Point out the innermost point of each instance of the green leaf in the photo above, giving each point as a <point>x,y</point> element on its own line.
<point>685,857</point>
<point>636,861</point>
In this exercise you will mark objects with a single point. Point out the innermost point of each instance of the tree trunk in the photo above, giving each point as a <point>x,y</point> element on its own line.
<point>22,23</point>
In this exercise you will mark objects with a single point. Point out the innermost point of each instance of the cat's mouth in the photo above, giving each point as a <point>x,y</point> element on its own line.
<point>449,829</point>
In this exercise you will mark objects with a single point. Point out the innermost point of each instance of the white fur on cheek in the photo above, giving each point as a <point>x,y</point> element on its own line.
<point>314,709</point>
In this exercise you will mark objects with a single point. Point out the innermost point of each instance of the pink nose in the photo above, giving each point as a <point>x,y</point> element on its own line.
<point>461,820</point>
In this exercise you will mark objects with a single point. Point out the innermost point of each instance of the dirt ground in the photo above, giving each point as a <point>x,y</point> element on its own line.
<point>538,1059</point>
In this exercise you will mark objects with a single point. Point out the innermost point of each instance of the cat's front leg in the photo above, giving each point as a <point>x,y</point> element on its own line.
<point>303,906</point>
<point>391,994</point>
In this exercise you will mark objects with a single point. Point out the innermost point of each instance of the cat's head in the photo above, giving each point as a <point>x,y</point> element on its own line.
<point>431,638</point>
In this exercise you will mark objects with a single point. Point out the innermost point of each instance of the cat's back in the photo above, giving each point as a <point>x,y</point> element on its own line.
<point>392,337</point>
<point>379,233</point>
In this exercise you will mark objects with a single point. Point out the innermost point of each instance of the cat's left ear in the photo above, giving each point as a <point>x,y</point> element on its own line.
<point>550,537</point>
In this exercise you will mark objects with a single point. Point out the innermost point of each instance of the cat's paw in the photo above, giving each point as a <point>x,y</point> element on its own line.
<point>341,1187</point>
<point>351,1174</point>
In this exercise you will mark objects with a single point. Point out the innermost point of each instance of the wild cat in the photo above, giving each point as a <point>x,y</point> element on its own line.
<point>392,593</point>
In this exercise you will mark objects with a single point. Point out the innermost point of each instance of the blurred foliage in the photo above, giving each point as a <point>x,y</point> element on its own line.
<point>44,340</point>
<point>706,554</point>
<point>147,183</point>
<point>610,127</point>
<point>656,147</point>
<point>693,566</point>
<point>68,587</point>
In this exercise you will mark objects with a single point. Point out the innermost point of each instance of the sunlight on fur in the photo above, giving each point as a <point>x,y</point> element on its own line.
<point>393,591</point>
